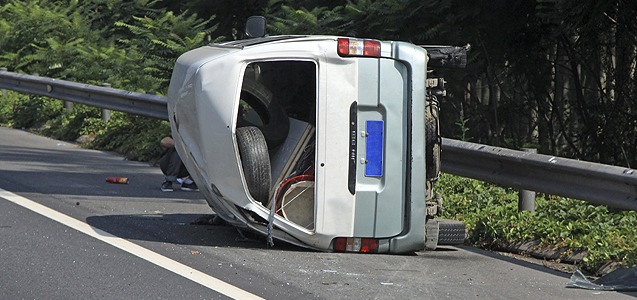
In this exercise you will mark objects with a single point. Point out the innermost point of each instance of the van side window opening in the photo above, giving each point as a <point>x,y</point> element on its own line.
<point>275,130</point>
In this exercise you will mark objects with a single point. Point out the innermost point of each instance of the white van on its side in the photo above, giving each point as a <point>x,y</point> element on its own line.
<point>326,142</point>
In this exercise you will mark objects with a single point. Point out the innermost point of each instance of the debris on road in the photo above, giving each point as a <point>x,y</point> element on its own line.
<point>624,279</point>
<point>120,180</point>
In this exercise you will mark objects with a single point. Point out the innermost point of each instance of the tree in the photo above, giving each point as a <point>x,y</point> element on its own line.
<point>161,40</point>
<point>130,44</point>
<point>555,74</point>
<point>231,15</point>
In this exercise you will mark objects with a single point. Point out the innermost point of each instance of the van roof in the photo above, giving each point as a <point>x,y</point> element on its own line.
<point>257,41</point>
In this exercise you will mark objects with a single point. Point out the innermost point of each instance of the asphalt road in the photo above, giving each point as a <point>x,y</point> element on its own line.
<point>132,241</point>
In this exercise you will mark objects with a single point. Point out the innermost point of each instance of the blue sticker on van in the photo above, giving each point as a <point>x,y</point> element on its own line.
<point>374,148</point>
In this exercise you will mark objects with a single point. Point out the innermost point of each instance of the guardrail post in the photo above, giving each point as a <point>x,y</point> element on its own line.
<point>106,113</point>
<point>526,198</point>
<point>68,106</point>
<point>4,92</point>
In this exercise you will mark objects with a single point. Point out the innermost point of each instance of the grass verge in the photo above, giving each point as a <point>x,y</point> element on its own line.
<point>591,236</point>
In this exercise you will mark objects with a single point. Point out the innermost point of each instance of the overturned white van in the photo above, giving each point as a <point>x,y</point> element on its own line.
<point>319,141</point>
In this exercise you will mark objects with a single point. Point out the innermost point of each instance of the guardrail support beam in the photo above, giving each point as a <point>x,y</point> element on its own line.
<point>68,106</point>
<point>106,113</point>
<point>526,198</point>
<point>4,92</point>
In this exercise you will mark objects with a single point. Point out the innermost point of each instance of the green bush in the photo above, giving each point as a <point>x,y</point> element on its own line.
<point>136,137</point>
<point>26,111</point>
<point>130,44</point>
<point>69,126</point>
<point>561,224</point>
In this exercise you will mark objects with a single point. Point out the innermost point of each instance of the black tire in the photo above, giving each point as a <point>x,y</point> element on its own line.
<point>432,141</point>
<point>451,232</point>
<point>255,161</point>
<point>275,121</point>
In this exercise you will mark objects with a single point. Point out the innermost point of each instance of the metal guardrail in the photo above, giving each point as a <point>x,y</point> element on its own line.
<point>596,183</point>
<point>131,102</point>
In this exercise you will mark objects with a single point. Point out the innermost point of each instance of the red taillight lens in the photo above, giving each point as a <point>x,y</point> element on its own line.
<point>358,47</point>
<point>340,244</point>
<point>371,48</point>
<point>362,245</point>
<point>343,47</point>
<point>369,246</point>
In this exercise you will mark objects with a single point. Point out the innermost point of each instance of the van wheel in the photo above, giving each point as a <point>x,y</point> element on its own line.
<point>255,161</point>
<point>275,123</point>
<point>432,141</point>
<point>451,232</point>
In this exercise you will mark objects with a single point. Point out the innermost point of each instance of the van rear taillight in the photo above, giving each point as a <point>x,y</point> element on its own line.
<point>362,245</point>
<point>358,47</point>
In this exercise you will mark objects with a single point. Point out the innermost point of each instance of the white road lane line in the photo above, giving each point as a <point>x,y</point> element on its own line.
<point>141,252</point>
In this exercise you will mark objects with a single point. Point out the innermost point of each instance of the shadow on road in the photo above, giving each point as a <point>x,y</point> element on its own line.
<point>62,169</point>
<point>183,229</point>
<point>513,260</point>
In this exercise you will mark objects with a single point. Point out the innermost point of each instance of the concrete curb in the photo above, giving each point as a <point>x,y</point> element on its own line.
<point>536,250</point>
